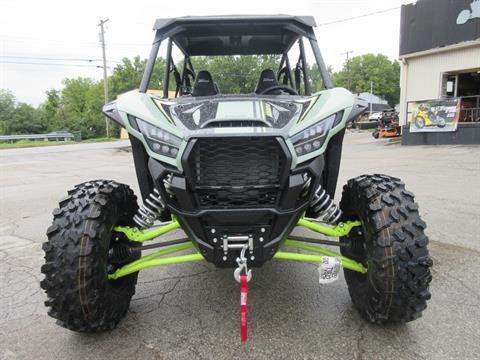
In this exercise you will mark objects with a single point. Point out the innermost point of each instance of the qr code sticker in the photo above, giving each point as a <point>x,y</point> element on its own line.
<point>329,269</point>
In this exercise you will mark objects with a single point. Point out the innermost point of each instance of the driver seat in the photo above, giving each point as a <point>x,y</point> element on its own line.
<point>267,80</point>
<point>204,85</point>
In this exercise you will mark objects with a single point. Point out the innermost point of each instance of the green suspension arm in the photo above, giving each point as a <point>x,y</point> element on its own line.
<point>341,229</point>
<point>158,259</point>
<point>137,235</point>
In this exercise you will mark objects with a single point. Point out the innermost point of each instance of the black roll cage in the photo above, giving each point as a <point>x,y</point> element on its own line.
<point>166,29</point>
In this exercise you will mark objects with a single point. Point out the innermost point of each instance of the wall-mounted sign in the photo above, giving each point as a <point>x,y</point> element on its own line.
<point>434,115</point>
<point>430,24</point>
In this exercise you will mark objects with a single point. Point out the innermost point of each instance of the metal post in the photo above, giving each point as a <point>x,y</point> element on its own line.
<point>105,81</point>
<point>168,61</point>
<point>347,53</point>
<point>371,96</point>
<point>150,63</point>
<point>327,82</point>
<point>289,71</point>
<point>306,81</point>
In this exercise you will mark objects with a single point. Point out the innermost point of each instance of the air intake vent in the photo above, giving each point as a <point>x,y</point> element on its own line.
<point>235,123</point>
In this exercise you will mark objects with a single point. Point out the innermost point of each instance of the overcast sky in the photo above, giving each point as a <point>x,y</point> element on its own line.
<point>68,31</point>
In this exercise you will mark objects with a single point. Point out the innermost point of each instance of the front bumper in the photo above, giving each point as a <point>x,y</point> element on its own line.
<point>211,228</point>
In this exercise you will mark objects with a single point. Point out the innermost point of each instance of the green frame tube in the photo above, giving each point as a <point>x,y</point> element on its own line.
<point>157,258</point>
<point>341,229</point>
<point>137,235</point>
<point>346,262</point>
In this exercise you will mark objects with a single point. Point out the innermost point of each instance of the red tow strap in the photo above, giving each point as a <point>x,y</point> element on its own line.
<point>243,307</point>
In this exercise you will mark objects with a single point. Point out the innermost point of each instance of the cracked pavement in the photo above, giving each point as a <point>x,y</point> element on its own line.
<point>190,311</point>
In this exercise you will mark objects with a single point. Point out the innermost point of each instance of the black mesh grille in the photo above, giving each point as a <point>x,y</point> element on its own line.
<point>237,172</point>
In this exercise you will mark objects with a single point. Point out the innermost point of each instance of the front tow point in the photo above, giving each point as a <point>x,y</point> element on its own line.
<point>242,266</point>
<point>242,275</point>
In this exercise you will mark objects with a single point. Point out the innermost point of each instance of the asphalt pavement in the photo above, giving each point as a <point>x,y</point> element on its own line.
<point>190,311</point>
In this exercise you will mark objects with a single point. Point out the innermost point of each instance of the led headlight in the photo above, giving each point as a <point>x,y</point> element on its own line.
<point>160,141</point>
<point>313,137</point>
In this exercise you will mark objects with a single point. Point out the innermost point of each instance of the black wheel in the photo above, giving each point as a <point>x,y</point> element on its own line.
<point>419,122</point>
<point>376,134</point>
<point>82,249</point>
<point>441,122</point>
<point>391,244</point>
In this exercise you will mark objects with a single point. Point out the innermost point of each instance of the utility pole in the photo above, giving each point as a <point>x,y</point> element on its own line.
<point>347,53</point>
<point>105,82</point>
<point>371,96</point>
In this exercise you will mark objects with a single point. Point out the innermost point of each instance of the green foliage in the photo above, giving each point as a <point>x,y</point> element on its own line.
<point>236,74</point>
<point>384,73</point>
<point>7,108</point>
<point>18,118</point>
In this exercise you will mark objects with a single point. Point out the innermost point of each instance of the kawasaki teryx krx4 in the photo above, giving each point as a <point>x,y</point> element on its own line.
<point>237,173</point>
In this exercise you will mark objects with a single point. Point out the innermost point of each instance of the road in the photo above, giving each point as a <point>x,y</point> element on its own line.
<point>190,311</point>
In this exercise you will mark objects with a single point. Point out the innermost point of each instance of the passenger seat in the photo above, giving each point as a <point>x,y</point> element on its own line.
<point>204,85</point>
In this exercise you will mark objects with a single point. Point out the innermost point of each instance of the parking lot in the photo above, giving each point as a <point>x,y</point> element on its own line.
<point>190,311</point>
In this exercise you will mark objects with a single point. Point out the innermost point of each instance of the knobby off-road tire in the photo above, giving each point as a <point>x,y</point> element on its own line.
<point>77,256</point>
<point>391,244</point>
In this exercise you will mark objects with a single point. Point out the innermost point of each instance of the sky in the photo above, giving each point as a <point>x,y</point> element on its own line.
<point>53,39</point>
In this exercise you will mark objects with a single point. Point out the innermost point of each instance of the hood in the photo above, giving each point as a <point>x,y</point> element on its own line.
<point>196,114</point>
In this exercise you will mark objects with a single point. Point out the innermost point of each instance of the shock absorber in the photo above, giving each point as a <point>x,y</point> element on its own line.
<point>150,210</point>
<point>324,207</point>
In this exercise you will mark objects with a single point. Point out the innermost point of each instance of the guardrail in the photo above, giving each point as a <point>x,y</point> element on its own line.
<point>45,137</point>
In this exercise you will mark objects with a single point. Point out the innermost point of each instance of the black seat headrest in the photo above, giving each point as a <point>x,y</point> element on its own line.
<point>267,80</point>
<point>204,85</point>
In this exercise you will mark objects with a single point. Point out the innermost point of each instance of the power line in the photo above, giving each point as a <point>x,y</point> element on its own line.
<point>359,16</point>
<point>47,64</point>
<point>71,43</point>
<point>54,59</point>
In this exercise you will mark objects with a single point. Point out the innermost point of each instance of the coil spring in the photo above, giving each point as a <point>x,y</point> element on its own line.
<point>150,210</point>
<point>324,207</point>
<point>167,183</point>
<point>307,180</point>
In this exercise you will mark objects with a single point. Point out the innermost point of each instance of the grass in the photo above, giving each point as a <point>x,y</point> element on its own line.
<point>33,143</point>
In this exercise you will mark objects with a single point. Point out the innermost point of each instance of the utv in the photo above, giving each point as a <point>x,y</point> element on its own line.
<point>237,173</point>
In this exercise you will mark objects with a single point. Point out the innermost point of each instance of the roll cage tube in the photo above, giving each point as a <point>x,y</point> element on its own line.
<point>306,83</point>
<point>162,35</point>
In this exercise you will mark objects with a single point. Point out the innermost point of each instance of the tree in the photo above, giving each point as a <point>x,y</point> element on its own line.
<point>17,117</point>
<point>82,101</point>
<point>384,73</point>
<point>126,76</point>
<point>49,110</point>
<point>7,108</point>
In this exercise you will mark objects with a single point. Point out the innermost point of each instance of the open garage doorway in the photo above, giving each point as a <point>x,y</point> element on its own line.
<point>465,85</point>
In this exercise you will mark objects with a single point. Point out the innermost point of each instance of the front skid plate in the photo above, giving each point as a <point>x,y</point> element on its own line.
<point>158,259</point>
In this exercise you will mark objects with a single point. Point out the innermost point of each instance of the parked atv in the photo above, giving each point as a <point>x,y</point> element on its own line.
<point>426,117</point>
<point>237,173</point>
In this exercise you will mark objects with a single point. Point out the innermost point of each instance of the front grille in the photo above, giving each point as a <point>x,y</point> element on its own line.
<point>236,172</point>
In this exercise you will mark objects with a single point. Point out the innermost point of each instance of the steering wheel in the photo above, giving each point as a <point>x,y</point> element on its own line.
<point>285,88</point>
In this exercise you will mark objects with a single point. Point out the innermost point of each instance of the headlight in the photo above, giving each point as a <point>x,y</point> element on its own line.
<point>313,137</point>
<point>159,140</point>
